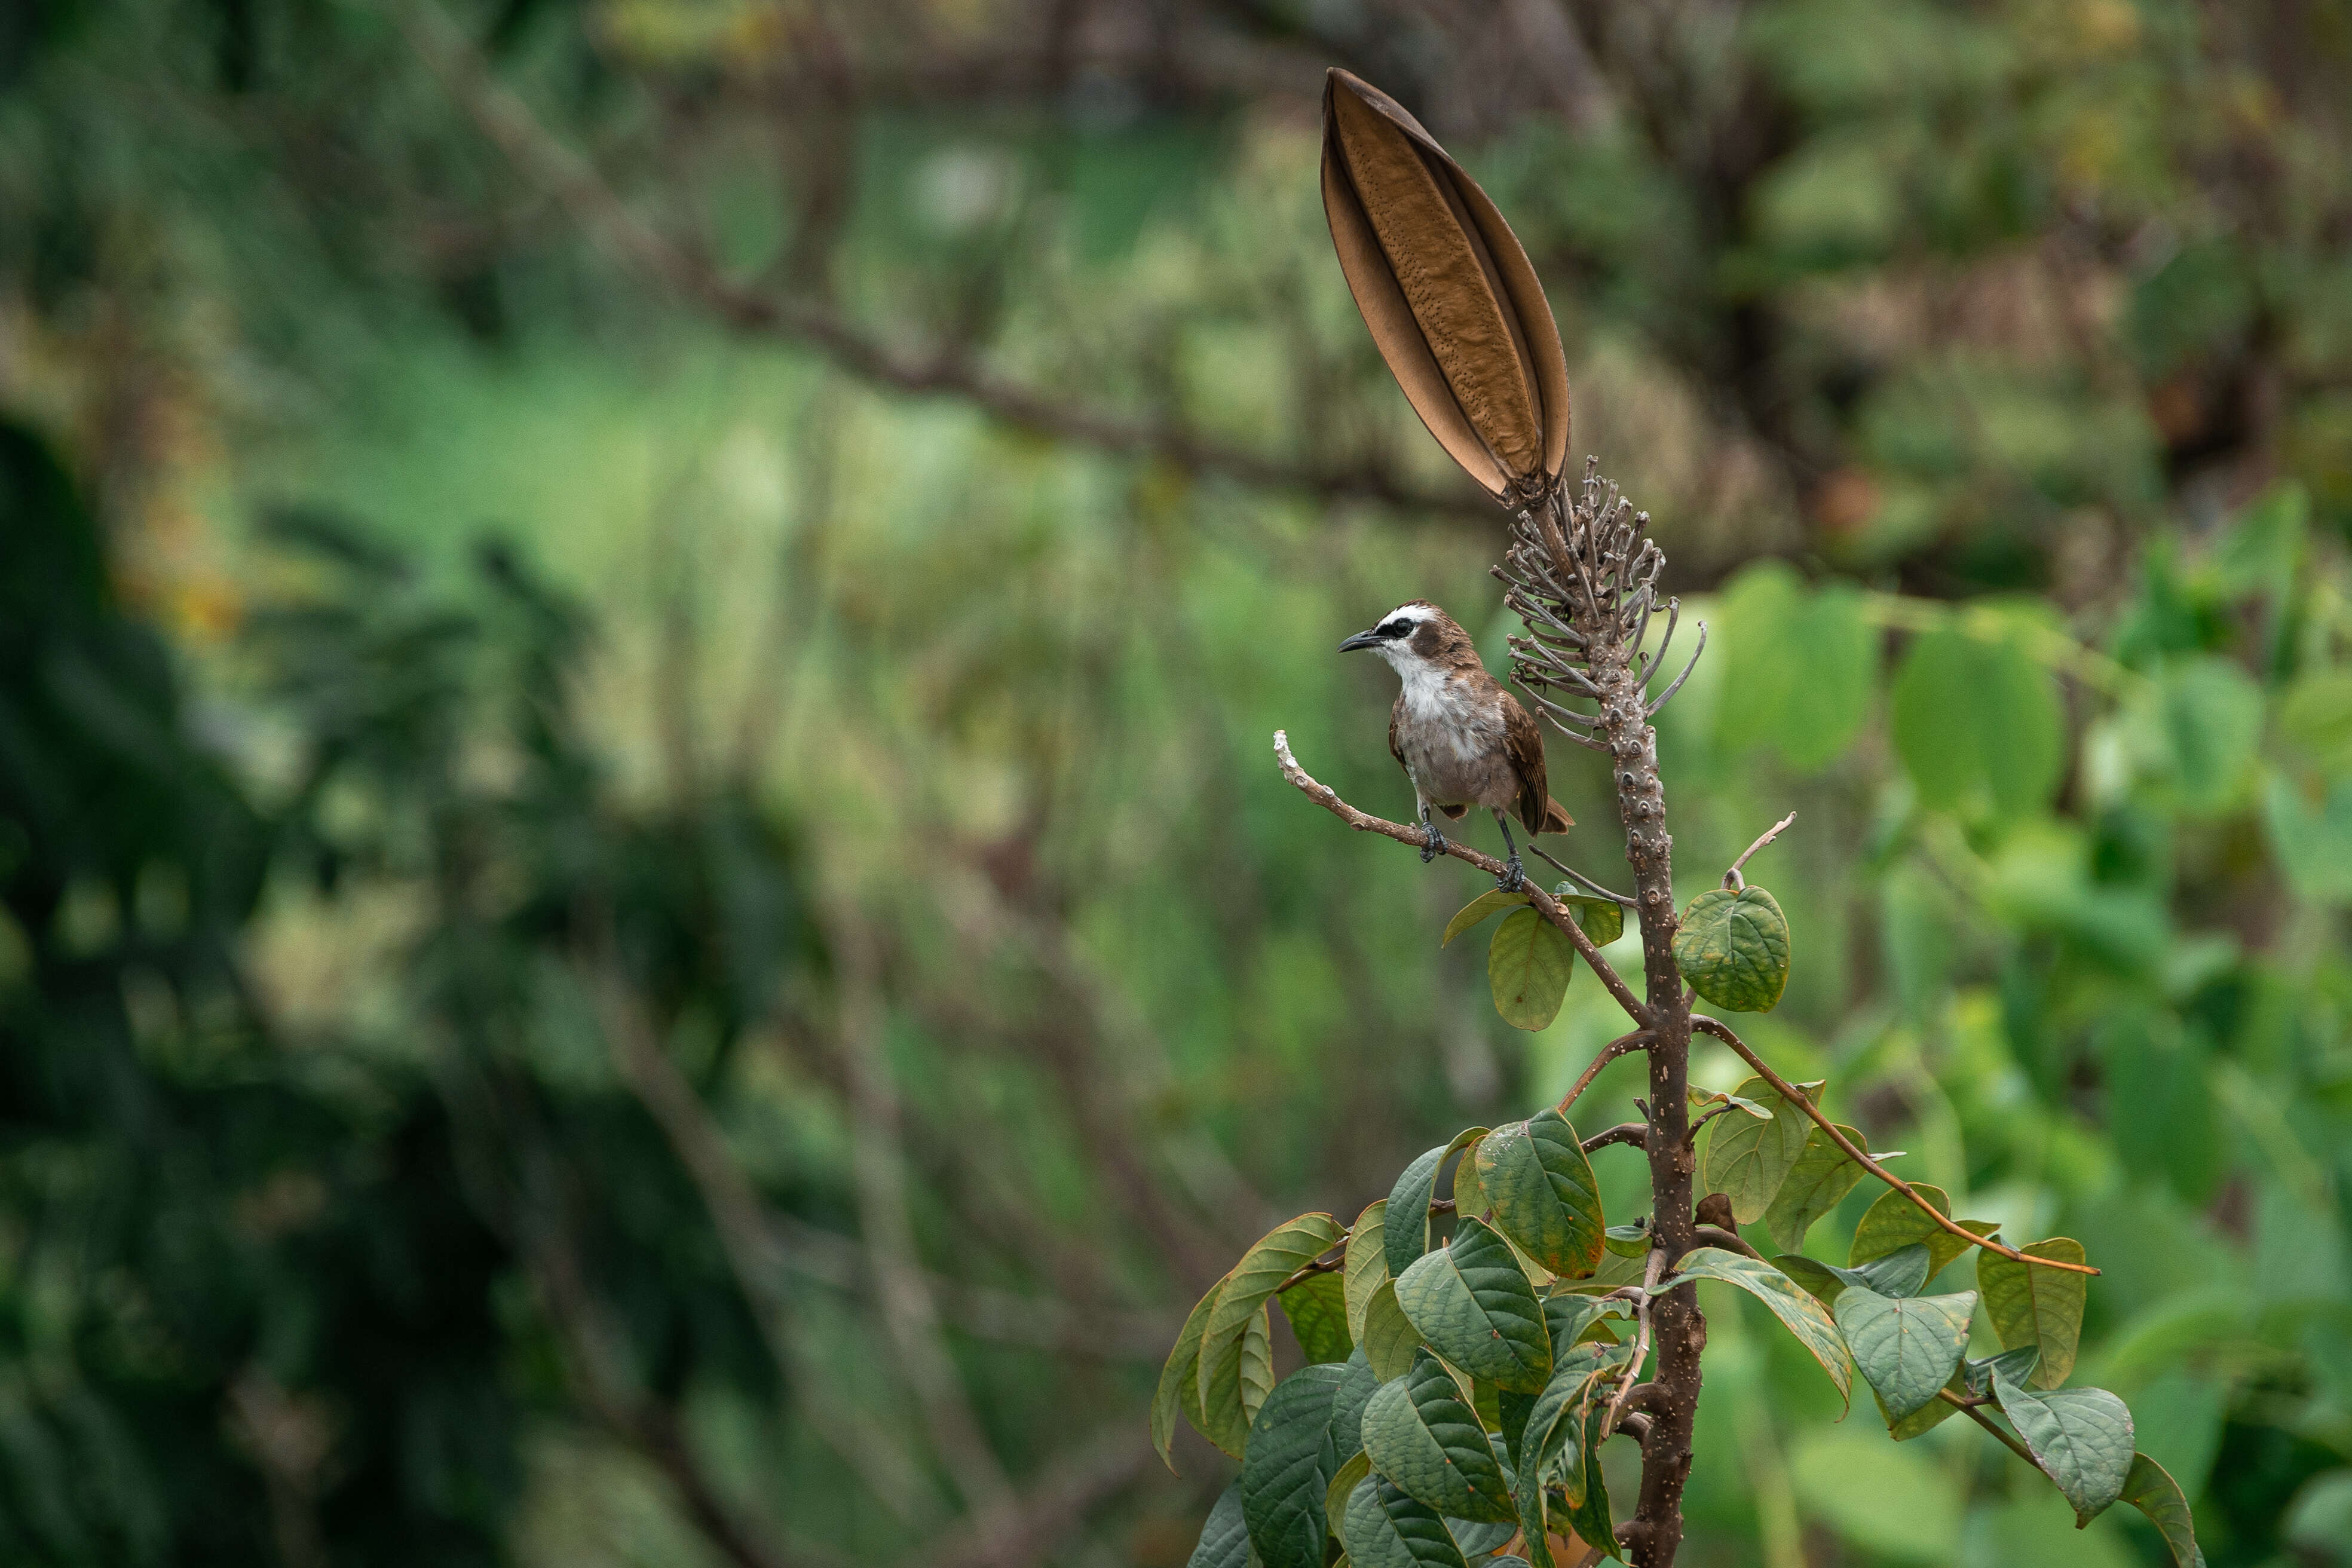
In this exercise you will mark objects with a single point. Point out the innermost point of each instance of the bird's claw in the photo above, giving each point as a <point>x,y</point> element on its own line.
<point>1513,880</point>
<point>1437,845</point>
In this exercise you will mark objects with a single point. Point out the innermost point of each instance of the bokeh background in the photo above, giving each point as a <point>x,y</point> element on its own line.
<point>649,917</point>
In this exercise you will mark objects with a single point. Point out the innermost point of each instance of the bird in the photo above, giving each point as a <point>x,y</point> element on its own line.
<point>1459,736</point>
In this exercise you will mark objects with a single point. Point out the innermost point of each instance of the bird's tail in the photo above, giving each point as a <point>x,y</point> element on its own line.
<point>1556,818</point>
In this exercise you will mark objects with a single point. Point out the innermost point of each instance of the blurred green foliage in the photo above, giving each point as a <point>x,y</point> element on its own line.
<point>899,777</point>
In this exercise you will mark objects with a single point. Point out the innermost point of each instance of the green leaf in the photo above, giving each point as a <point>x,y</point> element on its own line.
<point>1404,1225</point>
<point>1590,1515</point>
<point>1895,1221</point>
<point>1628,1240</point>
<point>1469,1193</point>
<point>1907,1347</point>
<point>1471,1305</point>
<point>2037,1307</point>
<point>1536,1177</point>
<point>1480,1539</point>
<point>1552,1423</point>
<point>1367,1264</point>
<point>1709,1097</point>
<point>2211,715</point>
<point>1804,664</point>
<point>1798,1311</point>
<point>1389,1338</point>
<point>1976,723</point>
<point>1288,1469</point>
<point>1614,1272</point>
<point>2082,1439</point>
<point>2156,1494</point>
<point>1388,1528</point>
<point>1927,1418</point>
<point>1900,1273</point>
<point>1180,1387</point>
<point>1815,1184</point>
<point>1224,1539</point>
<point>1477,909</point>
<point>1733,948</point>
<point>1229,1377</point>
<point>1358,1383</point>
<point>1602,921</point>
<point>1528,964</point>
<point>1424,1438</point>
<point>1747,1159</point>
<point>1350,1475</point>
<point>1318,1309</point>
<point>1977,1376</point>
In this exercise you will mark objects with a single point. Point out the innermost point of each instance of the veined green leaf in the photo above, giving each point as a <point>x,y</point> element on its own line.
<point>1358,1382</point>
<point>1404,1224</point>
<point>2038,1307</point>
<point>1318,1309</point>
<point>1545,1198</point>
<point>1615,1271</point>
<point>1799,1312</point>
<point>1747,1159</point>
<point>1907,1347</point>
<point>1480,1538</point>
<point>1552,1423</point>
<point>1899,1273</point>
<point>1710,1098</point>
<point>1224,1539</point>
<point>1528,964</point>
<point>1478,909</point>
<point>2082,1439</point>
<point>1228,1377</point>
<point>1927,1418</point>
<point>1470,1200</point>
<point>1389,1338</point>
<point>1602,921</point>
<point>1343,1486</point>
<point>1815,1184</point>
<point>1288,1469</point>
<point>1977,1376</point>
<point>1472,1304</point>
<point>1180,1388</point>
<point>1895,1221</point>
<point>1590,1515</point>
<point>1733,948</point>
<point>1367,1263</point>
<point>1423,1437</point>
<point>1628,1240</point>
<point>1387,1527</point>
<point>2155,1493</point>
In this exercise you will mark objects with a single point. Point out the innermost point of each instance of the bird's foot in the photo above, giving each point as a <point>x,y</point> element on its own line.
<point>1437,845</point>
<point>1513,880</point>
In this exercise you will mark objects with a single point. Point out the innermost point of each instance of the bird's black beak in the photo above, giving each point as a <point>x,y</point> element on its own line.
<point>1361,639</point>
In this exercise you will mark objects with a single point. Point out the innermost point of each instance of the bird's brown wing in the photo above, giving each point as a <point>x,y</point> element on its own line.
<point>1523,742</point>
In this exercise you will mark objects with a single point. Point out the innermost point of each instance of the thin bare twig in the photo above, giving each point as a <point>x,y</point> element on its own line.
<point>1732,879</point>
<point>1637,1133</point>
<point>1573,874</point>
<point>1723,1031</point>
<point>1650,1270</point>
<point>1324,795</point>
<point>1609,1053</point>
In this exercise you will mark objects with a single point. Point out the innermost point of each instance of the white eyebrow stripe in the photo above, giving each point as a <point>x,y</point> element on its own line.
<point>1413,613</point>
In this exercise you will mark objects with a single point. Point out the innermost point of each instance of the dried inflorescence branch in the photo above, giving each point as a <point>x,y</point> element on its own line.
<point>1582,572</point>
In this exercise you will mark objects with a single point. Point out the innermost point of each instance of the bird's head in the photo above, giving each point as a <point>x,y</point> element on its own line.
<point>1417,634</point>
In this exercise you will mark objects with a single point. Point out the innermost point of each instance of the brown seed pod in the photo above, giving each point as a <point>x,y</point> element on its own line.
<point>1452,299</point>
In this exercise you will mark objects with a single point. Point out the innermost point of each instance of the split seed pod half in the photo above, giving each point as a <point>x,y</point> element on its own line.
<point>1447,290</point>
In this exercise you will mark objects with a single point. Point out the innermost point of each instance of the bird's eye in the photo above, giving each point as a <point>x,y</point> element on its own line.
<point>1397,628</point>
